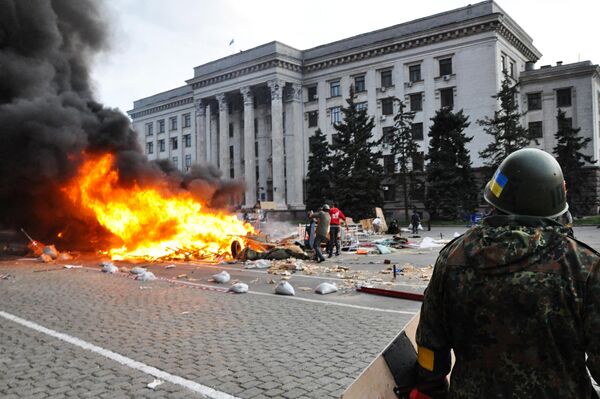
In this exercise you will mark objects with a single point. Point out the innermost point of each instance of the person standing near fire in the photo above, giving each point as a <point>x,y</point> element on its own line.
<point>334,230</point>
<point>516,297</point>
<point>323,220</point>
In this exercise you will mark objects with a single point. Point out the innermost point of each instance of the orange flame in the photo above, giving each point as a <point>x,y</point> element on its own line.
<point>152,223</point>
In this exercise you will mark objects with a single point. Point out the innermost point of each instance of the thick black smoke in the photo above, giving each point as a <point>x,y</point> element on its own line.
<point>48,117</point>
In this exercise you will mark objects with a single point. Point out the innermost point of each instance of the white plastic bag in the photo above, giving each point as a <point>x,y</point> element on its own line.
<point>284,288</point>
<point>257,264</point>
<point>420,227</point>
<point>239,288</point>
<point>108,267</point>
<point>326,288</point>
<point>137,270</point>
<point>146,276</point>
<point>222,277</point>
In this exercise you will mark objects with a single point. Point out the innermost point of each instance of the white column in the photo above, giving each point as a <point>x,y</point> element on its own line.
<point>276,86</point>
<point>295,151</point>
<point>223,135</point>
<point>208,129</point>
<point>201,140</point>
<point>249,159</point>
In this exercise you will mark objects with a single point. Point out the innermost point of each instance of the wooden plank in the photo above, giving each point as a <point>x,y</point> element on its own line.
<point>377,381</point>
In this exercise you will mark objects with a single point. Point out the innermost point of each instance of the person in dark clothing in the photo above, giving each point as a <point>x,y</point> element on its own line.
<point>334,230</point>
<point>323,219</point>
<point>516,298</point>
<point>415,221</point>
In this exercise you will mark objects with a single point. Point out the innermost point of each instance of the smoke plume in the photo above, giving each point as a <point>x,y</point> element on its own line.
<point>48,119</point>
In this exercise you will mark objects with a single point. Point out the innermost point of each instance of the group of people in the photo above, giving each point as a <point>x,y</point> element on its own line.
<point>328,222</point>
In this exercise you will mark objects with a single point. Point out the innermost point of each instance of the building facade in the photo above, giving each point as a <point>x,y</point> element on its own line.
<point>253,113</point>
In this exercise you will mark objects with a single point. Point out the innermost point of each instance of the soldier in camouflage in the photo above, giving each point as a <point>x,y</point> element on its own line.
<point>516,298</point>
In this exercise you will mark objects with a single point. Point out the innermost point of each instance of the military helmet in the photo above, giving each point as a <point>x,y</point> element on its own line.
<point>528,182</point>
<point>325,207</point>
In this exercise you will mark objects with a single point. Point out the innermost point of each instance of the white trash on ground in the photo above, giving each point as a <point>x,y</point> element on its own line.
<point>222,277</point>
<point>258,264</point>
<point>137,270</point>
<point>146,276</point>
<point>109,267</point>
<point>326,288</point>
<point>456,234</point>
<point>155,384</point>
<point>284,288</point>
<point>239,288</point>
<point>73,266</point>
<point>384,250</point>
<point>429,242</point>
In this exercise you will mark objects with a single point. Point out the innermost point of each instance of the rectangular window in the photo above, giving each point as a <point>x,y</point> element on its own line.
<point>312,93</point>
<point>386,78</point>
<point>445,66</point>
<point>336,115</point>
<point>418,161</point>
<point>187,140</point>
<point>387,106</point>
<point>563,97</point>
<point>173,143</point>
<point>255,128</point>
<point>256,149</point>
<point>188,162</point>
<point>417,131</point>
<point>173,123</point>
<point>175,161</point>
<point>187,120</point>
<point>567,123</point>
<point>388,135</point>
<point>231,155</point>
<point>535,130</point>
<point>414,73</point>
<point>161,145</point>
<point>313,118</point>
<point>389,166</point>
<point>334,89</point>
<point>389,192</point>
<point>359,84</point>
<point>416,102</point>
<point>149,129</point>
<point>312,144</point>
<point>231,173</point>
<point>161,126</point>
<point>534,101</point>
<point>335,139</point>
<point>362,106</point>
<point>511,72</point>
<point>447,98</point>
<point>231,130</point>
<point>150,148</point>
<point>503,63</point>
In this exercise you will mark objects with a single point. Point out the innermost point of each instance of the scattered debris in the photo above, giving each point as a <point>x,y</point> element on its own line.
<point>429,242</point>
<point>170,266</point>
<point>155,384</point>
<point>258,264</point>
<point>181,276</point>
<point>284,288</point>
<point>6,276</point>
<point>185,312</point>
<point>65,256</point>
<point>305,288</point>
<point>45,258</point>
<point>387,262</point>
<point>72,266</point>
<point>383,249</point>
<point>239,288</point>
<point>146,276</point>
<point>138,270</point>
<point>326,288</point>
<point>109,267</point>
<point>124,269</point>
<point>145,287</point>
<point>222,277</point>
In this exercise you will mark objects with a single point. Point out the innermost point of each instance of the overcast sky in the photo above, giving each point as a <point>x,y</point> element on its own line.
<point>155,44</point>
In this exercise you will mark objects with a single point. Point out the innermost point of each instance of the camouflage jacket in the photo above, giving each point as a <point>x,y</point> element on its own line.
<point>518,301</point>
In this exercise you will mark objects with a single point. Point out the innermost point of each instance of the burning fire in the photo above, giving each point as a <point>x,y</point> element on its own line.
<point>152,223</point>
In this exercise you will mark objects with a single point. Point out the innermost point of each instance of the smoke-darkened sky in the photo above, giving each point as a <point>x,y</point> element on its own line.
<point>156,44</point>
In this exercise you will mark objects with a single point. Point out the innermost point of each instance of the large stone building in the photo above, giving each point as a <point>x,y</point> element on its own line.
<point>253,113</point>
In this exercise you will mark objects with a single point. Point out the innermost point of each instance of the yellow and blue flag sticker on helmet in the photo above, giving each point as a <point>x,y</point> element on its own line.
<point>498,183</point>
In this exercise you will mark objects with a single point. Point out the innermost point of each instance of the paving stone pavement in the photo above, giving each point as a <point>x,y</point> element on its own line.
<point>245,345</point>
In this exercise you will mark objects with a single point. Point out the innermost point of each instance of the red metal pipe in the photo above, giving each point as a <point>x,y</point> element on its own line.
<point>393,293</point>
